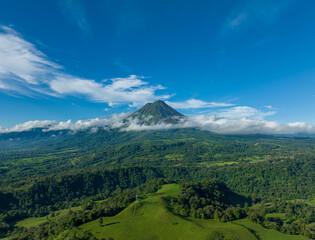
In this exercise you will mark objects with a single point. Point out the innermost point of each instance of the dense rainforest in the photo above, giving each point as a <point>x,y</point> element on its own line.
<point>270,179</point>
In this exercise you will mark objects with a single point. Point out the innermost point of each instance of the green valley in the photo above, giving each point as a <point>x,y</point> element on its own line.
<point>180,183</point>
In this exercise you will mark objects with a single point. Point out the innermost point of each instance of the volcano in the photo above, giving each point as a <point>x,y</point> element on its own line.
<point>156,112</point>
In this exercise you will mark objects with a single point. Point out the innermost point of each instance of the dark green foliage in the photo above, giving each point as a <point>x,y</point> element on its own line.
<point>110,207</point>
<point>208,199</point>
<point>62,191</point>
<point>78,169</point>
<point>108,149</point>
<point>259,181</point>
<point>296,220</point>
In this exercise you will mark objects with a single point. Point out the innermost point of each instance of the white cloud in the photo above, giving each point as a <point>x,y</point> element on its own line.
<point>28,126</point>
<point>4,86</point>
<point>80,124</point>
<point>134,125</point>
<point>247,126</point>
<point>244,112</point>
<point>114,121</point>
<point>20,61</point>
<point>195,104</point>
<point>229,126</point>
<point>210,123</point>
<point>27,71</point>
<point>116,91</point>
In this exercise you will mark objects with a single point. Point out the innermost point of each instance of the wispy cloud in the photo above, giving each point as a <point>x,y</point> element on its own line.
<point>22,67</point>
<point>125,15</point>
<point>75,13</point>
<point>249,13</point>
<point>26,71</point>
<point>197,104</point>
<point>237,20</point>
<point>3,86</point>
<point>119,63</point>
<point>20,60</point>
<point>244,112</point>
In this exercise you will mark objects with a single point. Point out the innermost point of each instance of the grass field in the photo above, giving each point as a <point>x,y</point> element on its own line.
<point>30,222</point>
<point>211,164</point>
<point>150,218</point>
<point>263,233</point>
<point>34,221</point>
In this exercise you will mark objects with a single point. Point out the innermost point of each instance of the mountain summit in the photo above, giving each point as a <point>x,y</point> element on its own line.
<point>153,113</point>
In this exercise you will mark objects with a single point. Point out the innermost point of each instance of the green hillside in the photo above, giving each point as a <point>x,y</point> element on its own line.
<point>35,221</point>
<point>151,218</point>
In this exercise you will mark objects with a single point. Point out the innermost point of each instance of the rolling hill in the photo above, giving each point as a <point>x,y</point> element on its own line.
<point>151,218</point>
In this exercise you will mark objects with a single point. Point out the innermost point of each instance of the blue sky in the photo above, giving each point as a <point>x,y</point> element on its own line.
<point>72,59</point>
